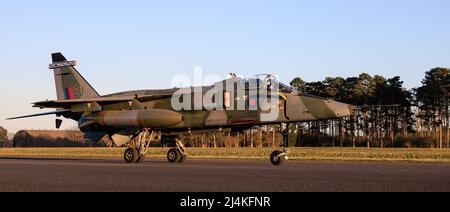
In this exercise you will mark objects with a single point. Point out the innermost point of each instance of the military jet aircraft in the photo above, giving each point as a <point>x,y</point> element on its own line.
<point>236,103</point>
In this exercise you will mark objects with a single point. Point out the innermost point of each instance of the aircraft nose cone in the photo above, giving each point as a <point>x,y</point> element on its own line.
<point>341,109</point>
<point>352,109</point>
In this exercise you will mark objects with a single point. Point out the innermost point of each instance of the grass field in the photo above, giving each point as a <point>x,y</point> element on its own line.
<point>327,154</point>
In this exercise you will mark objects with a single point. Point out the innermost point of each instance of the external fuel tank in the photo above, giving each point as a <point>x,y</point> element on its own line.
<point>153,118</point>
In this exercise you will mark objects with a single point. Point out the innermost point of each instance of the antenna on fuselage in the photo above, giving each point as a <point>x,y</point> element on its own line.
<point>233,75</point>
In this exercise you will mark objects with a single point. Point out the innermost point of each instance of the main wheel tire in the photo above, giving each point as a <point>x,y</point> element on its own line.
<point>174,155</point>
<point>275,159</point>
<point>140,159</point>
<point>131,155</point>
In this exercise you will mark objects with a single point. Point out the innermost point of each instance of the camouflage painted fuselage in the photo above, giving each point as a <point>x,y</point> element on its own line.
<point>293,107</point>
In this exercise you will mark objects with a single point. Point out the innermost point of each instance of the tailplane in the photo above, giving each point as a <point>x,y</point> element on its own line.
<point>69,82</point>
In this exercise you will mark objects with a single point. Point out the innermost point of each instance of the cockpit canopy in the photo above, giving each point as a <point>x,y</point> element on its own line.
<point>264,81</point>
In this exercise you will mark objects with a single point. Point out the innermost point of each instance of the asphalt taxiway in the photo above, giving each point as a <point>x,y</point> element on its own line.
<point>155,175</point>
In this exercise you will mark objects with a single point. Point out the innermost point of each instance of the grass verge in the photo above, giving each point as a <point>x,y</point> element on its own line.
<point>320,154</point>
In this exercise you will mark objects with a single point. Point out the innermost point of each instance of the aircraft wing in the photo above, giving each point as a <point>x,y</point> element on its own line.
<point>99,100</point>
<point>58,112</point>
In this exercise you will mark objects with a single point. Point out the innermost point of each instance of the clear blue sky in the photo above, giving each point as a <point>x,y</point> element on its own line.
<point>123,45</point>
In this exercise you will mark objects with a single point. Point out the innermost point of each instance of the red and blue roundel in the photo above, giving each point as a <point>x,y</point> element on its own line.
<point>70,93</point>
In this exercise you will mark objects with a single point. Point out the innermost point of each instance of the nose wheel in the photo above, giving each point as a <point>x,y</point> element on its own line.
<point>279,156</point>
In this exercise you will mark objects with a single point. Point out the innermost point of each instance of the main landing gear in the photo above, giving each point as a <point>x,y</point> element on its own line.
<point>136,153</point>
<point>279,156</point>
<point>178,154</point>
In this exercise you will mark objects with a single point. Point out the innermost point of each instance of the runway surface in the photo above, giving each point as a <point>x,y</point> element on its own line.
<point>41,174</point>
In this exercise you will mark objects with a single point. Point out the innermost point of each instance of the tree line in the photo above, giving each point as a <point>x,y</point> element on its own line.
<point>389,114</point>
<point>3,137</point>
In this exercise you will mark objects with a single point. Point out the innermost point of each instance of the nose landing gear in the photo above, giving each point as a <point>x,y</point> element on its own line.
<point>279,156</point>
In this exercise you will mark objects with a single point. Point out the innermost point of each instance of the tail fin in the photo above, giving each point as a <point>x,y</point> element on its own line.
<point>69,82</point>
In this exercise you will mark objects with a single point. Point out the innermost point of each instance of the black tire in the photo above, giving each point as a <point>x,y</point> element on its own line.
<point>131,155</point>
<point>174,155</point>
<point>275,159</point>
<point>140,159</point>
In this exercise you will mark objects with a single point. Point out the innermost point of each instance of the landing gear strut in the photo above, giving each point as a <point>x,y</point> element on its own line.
<point>279,156</point>
<point>178,154</point>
